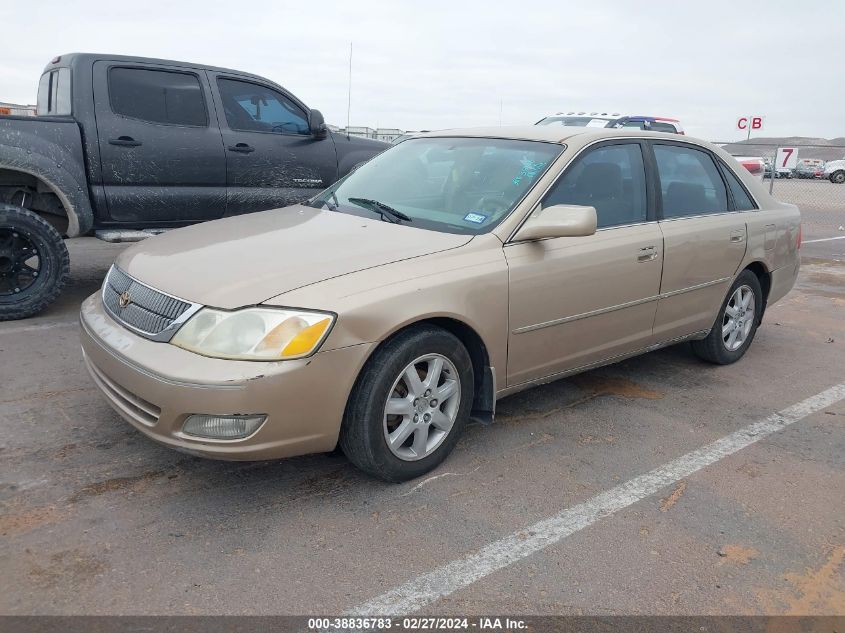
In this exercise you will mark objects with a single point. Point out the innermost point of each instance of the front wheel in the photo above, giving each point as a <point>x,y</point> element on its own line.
<point>409,406</point>
<point>736,324</point>
<point>34,263</point>
<point>837,177</point>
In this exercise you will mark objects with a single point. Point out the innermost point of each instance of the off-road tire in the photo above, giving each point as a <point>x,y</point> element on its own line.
<point>712,349</point>
<point>362,437</point>
<point>53,258</point>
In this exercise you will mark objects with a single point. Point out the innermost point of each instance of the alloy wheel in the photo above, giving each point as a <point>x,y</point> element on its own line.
<point>421,407</point>
<point>738,318</point>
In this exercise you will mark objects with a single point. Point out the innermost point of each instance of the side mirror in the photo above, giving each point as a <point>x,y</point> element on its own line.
<point>317,124</point>
<point>560,220</point>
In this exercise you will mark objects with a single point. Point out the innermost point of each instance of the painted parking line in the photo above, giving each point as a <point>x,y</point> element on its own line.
<point>35,328</point>
<point>824,239</point>
<point>427,588</point>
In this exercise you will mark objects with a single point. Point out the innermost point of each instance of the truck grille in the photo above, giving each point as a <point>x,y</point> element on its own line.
<point>148,311</point>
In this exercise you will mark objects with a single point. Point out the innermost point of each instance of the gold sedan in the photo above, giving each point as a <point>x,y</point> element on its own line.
<point>452,270</point>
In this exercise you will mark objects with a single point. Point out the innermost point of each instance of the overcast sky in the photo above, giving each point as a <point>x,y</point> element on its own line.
<point>433,64</point>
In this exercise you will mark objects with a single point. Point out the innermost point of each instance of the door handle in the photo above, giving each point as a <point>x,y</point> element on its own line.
<point>738,236</point>
<point>241,148</point>
<point>124,141</point>
<point>647,254</point>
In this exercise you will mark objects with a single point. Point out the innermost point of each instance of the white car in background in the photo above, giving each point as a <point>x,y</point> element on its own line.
<point>613,120</point>
<point>834,170</point>
<point>581,119</point>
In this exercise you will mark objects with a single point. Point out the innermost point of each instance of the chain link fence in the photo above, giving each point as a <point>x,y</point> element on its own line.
<point>816,184</point>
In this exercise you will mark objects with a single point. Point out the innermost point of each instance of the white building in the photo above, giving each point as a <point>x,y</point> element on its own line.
<point>16,109</point>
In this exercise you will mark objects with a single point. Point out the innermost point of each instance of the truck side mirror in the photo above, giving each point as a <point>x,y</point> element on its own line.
<point>317,124</point>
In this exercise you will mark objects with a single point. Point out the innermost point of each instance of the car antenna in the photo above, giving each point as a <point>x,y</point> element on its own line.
<point>349,93</point>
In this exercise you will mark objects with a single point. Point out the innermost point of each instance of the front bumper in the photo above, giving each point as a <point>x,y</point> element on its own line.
<point>155,386</point>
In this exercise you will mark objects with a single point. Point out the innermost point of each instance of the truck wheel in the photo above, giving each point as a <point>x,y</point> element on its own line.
<point>34,263</point>
<point>838,177</point>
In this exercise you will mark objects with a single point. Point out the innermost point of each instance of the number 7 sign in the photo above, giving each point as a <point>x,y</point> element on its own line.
<point>787,157</point>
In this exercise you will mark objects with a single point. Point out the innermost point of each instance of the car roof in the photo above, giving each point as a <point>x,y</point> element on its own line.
<point>556,134</point>
<point>84,59</point>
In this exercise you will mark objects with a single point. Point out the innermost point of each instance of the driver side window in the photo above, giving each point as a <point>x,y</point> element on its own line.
<point>610,178</point>
<point>255,108</point>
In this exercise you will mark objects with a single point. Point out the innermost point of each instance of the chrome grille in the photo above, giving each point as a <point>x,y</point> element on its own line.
<point>148,312</point>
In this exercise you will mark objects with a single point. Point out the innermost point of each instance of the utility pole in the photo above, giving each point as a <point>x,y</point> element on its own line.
<point>349,94</point>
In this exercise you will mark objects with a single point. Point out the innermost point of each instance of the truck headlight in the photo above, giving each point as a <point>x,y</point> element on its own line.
<point>254,333</point>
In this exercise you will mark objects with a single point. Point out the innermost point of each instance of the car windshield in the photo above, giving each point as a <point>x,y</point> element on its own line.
<point>452,185</point>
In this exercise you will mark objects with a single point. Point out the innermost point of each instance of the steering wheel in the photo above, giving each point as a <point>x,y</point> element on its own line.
<point>285,127</point>
<point>492,204</point>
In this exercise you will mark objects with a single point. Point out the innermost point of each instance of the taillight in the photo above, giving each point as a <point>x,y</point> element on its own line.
<point>800,237</point>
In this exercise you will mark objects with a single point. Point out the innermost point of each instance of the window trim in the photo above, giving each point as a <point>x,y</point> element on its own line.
<point>659,187</point>
<point>271,88</point>
<point>725,170</point>
<point>160,70</point>
<point>650,193</point>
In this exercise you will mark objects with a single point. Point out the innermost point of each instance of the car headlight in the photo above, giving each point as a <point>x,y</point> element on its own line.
<point>254,333</point>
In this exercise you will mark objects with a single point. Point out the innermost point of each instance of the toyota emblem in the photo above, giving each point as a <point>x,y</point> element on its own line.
<point>124,300</point>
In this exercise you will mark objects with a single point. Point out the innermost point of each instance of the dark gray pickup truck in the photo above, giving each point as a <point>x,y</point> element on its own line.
<point>125,147</point>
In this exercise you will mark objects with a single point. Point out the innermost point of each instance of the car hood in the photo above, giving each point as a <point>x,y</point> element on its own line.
<point>248,259</point>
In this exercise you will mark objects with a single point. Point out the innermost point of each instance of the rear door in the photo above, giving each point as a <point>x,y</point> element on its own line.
<point>160,148</point>
<point>272,159</point>
<point>704,239</point>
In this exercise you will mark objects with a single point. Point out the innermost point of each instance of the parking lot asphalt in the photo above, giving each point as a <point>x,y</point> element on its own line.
<point>96,519</point>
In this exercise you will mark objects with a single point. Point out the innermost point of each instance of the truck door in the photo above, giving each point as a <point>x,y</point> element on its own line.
<point>160,149</point>
<point>272,160</point>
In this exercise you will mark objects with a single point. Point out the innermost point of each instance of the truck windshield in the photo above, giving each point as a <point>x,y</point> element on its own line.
<point>54,93</point>
<point>452,185</point>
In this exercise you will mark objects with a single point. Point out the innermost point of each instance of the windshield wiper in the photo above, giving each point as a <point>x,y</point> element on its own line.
<point>382,208</point>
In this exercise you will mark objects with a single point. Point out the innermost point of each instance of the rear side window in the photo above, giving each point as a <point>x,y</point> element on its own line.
<point>742,201</point>
<point>689,182</point>
<point>609,178</point>
<point>54,93</point>
<point>157,96</point>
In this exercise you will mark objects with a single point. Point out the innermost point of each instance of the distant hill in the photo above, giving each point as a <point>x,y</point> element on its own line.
<point>808,147</point>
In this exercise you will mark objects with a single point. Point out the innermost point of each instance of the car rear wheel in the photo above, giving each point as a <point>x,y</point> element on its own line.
<point>837,177</point>
<point>409,406</point>
<point>34,263</point>
<point>737,323</point>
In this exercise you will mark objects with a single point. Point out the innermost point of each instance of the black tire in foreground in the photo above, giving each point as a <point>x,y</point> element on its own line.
<point>34,263</point>
<point>838,177</point>
<point>736,324</point>
<point>417,386</point>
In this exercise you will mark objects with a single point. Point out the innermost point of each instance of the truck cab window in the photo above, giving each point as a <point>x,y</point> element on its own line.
<point>157,96</point>
<point>54,93</point>
<point>255,108</point>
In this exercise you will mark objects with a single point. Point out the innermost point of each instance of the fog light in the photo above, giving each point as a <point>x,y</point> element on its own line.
<point>222,427</point>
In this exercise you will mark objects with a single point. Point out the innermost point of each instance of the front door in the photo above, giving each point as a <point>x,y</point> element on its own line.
<point>704,239</point>
<point>576,301</point>
<point>272,160</point>
<point>161,154</point>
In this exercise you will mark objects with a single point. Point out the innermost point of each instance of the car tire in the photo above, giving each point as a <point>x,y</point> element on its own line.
<point>734,329</point>
<point>838,177</point>
<point>29,243</point>
<point>418,424</point>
